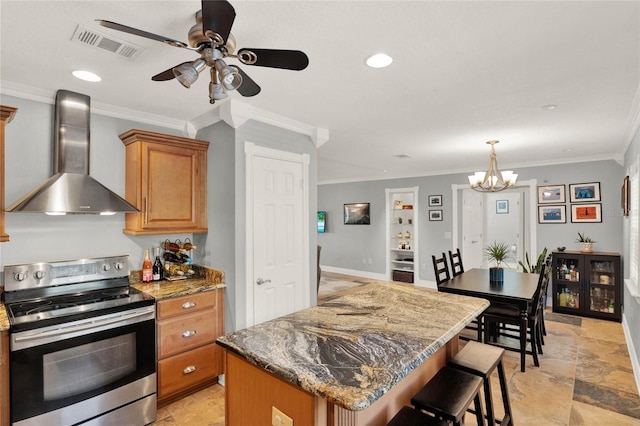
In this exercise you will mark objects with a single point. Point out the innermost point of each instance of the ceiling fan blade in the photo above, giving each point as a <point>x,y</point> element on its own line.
<point>285,59</point>
<point>218,17</point>
<point>166,75</point>
<point>248,87</point>
<point>140,33</point>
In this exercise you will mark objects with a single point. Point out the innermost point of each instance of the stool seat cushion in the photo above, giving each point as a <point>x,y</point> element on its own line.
<point>408,416</point>
<point>449,393</point>
<point>477,358</point>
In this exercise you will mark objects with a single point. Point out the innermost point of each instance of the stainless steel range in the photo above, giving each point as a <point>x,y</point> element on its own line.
<point>82,344</point>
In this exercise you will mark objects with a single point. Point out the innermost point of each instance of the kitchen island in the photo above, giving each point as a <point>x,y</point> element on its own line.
<point>355,359</point>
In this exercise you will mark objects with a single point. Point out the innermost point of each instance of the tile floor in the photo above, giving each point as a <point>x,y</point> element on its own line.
<point>585,377</point>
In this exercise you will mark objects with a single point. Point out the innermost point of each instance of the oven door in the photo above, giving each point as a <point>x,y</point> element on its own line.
<point>72,372</point>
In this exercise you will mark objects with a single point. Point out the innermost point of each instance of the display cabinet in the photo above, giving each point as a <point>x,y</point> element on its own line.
<point>587,284</point>
<point>402,206</point>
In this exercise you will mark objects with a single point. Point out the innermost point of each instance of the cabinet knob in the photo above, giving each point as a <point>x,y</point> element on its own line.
<point>188,305</point>
<point>190,369</point>
<point>188,333</point>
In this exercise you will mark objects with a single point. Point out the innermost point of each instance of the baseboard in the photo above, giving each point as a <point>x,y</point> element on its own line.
<point>374,275</point>
<point>632,352</point>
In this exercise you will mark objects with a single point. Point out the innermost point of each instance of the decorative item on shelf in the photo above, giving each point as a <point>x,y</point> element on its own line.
<point>177,265</point>
<point>492,180</point>
<point>399,220</point>
<point>586,243</point>
<point>400,234</point>
<point>497,252</point>
<point>407,234</point>
<point>407,207</point>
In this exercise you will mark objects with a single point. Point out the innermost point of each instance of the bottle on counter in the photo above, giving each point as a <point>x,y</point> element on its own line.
<point>147,267</point>
<point>158,270</point>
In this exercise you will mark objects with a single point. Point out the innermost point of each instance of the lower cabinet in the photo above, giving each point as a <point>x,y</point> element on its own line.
<point>188,357</point>
<point>4,378</point>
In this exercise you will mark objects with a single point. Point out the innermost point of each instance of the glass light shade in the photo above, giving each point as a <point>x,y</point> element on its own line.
<point>187,74</point>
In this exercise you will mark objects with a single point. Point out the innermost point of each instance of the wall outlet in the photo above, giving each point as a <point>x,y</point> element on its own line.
<point>278,418</point>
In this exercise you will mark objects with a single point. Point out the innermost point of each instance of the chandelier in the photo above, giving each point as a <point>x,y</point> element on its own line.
<point>492,180</point>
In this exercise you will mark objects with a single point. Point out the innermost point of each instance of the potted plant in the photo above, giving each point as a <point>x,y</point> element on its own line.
<point>531,268</point>
<point>496,252</point>
<point>586,243</point>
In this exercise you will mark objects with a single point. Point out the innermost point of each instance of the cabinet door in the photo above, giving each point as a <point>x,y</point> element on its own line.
<point>603,286</point>
<point>4,378</point>
<point>568,293</point>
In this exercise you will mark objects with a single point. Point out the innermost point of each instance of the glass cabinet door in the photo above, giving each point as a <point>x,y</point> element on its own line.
<point>568,290</point>
<point>602,285</point>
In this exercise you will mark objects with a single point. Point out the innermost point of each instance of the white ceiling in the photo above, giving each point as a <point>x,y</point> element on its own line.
<point>463,73</point>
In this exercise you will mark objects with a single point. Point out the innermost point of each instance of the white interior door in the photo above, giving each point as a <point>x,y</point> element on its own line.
<point>504,224</point>
<point>472,229</point>
<point>279,282</point>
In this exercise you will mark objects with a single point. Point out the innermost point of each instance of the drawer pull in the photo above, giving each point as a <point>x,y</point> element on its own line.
<point>190,369</point>
<point>188,305</point>
<point>188,333</point>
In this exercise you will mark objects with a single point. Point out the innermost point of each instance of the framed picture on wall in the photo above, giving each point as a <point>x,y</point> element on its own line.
<point>502,206</point>
<point>624,196</point>
<point>584,192</point>
<point>551,194</point>
<point>435,215</point>
<point>552,214</point>
<point>357,214</point>
<point>435,200</point>
<point>586,213</point>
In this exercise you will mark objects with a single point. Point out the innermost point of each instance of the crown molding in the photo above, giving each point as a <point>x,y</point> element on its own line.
<point>49,96</point>
<point>633,123</point>
<point>236,113</point>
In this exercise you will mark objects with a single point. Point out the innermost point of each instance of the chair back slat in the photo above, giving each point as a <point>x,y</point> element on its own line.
<point>441,269</point>
<point>543,284</point>
<point>456,262</point>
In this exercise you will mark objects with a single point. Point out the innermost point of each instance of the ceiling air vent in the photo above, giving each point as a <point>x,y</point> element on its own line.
<point>109,43</point>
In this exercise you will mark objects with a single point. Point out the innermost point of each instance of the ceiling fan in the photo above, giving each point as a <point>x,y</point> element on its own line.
<point>211,37</point>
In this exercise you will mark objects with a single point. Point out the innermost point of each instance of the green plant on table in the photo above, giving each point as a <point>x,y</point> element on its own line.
<point>497,252</point>
<point>582,238</point>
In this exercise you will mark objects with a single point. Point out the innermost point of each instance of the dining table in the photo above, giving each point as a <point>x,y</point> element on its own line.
<point>517,289</point>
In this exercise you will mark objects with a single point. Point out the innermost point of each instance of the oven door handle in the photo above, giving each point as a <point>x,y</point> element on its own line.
<point>92,324</point>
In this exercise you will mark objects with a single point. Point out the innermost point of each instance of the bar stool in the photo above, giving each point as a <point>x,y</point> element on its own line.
<point>408,416</point>
<point>481,360</point>
<point>448,395</point>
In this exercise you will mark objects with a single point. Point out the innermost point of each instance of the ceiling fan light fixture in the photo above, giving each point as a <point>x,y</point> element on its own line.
<point>379,60</point>
<point>229,76</point>
<point>187,73</point>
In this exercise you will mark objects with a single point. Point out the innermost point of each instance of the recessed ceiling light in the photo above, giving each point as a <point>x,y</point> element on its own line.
<point>379,60</point>
<point>86,75</point>
<point>549,107</point>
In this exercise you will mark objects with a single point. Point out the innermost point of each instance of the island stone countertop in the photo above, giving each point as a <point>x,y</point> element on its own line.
<point>4,320</point>
<point>352,349</point>
<point>205,279</point>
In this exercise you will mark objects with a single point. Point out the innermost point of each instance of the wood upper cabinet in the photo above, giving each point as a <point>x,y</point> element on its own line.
<point>6,115</point>
<point>166,179</point>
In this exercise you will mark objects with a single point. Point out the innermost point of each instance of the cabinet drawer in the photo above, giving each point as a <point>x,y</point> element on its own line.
<point>186,304</point>
<point>185,332</point>
<point>188,369</point>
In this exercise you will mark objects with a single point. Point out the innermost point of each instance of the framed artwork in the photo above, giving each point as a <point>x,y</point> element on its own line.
<point>435,215</point>
<point>624,196</point>
<point>357,214</point>
<point>435,200</point>
<point>322,221</point>
<point>551,194</point>
<point>552,214</point>
<point>584,192</point>
<point>502,206</point>
<point>586,213</point>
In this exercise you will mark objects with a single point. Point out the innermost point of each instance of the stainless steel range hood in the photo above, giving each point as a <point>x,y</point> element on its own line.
<point>71,190</point>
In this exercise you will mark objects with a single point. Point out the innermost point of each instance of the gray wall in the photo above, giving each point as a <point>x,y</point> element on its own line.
<point>344,246</point>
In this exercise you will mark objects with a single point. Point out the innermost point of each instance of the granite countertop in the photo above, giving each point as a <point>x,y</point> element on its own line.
<point>205,279</point>
<point>354,348</point>
<point>4,320</point>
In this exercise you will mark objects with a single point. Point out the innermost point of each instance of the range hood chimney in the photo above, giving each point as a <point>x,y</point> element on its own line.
<point>71,190</point>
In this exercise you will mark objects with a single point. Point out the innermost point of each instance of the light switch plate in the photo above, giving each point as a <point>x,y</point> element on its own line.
<point>278,418</point>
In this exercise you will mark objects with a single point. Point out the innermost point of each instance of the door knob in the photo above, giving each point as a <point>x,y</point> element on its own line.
<point>260,281</point>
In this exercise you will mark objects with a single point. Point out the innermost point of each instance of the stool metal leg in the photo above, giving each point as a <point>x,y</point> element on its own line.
<point>508,416</point>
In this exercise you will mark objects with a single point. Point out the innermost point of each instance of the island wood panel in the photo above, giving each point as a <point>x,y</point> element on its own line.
<point>250,392</point>
<point>249,386</point>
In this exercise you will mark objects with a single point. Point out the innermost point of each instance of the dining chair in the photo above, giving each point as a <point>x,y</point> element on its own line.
<point>528,330</point>
<point>456,262</point>
<point>441,269</point>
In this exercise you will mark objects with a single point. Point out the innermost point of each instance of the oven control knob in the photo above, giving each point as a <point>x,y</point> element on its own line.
<point>20,276</point>
<point>106,267</point>
<point>119,266</point>
<point>39,275</point>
